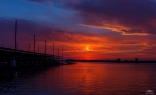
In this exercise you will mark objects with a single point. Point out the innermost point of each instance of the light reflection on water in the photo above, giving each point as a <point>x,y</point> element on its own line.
<point>86,78</point>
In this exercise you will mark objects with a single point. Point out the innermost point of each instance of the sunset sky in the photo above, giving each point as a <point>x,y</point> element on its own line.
<point>86,29</point>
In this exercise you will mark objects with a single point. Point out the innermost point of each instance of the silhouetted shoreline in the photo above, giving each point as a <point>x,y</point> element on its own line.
<point>117,61</point>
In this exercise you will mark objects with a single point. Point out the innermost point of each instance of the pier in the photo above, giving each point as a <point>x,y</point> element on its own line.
<point>20,58</point>
<point>12,57</point>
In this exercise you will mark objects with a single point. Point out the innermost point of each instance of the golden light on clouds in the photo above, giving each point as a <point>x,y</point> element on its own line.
<point>116,28</point>
<point>87,48</point>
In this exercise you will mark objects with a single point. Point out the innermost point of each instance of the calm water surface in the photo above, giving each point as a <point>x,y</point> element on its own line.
<point>86,78</point>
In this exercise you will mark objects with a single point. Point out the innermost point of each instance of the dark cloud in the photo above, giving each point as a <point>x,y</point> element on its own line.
<point>128,16</point>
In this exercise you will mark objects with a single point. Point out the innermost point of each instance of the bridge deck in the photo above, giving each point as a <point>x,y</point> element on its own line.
<point>25,58</point>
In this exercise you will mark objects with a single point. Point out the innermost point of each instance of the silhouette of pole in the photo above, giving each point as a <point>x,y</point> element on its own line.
<point>45,47</point>
<point>62,54</point>
<point>15,33</point>
<point>58,54</point>
<point>53,48</point>
<point>34,43</point>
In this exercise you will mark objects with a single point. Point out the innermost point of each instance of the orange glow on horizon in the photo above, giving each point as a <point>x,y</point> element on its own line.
<point>87,48</point>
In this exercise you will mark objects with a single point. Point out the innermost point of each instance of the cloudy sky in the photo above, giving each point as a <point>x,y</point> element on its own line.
<point>86,29</point>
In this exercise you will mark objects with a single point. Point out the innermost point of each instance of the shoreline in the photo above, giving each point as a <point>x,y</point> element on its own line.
<point>114,61</point>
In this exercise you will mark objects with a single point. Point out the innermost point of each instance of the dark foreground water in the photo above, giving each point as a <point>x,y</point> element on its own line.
<point>86,78</point>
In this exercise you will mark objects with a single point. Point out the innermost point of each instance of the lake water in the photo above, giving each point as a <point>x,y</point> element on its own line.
<point>86,78</point>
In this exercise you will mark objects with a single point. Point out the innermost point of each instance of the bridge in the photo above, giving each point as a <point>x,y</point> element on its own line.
<point>12,57</point>
<point>20,58</point>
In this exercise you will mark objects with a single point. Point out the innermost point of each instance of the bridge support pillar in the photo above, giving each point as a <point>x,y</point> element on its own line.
<point>13,63</point>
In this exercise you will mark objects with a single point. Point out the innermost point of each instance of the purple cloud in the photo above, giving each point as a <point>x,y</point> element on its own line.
<point>126,16</point>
